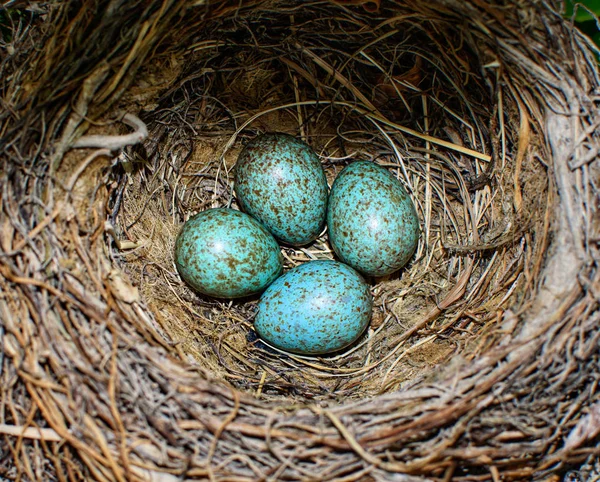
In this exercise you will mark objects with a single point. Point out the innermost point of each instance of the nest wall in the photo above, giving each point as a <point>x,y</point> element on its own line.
<point>481,361</point>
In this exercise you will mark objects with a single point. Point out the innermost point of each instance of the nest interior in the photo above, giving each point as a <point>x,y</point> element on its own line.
<point>481,359</point>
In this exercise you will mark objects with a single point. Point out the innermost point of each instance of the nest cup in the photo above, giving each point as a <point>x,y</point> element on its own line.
<point>481,359</point>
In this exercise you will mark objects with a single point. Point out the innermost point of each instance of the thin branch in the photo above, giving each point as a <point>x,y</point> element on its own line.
<point>116,142</point>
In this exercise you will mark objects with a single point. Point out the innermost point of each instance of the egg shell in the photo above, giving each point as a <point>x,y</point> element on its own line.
<point>372,223</point>
<point>316,308</point>
<point>280,181</point>
<point>226,254</point>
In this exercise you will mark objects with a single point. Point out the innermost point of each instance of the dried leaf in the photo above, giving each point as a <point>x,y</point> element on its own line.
<point>121,288</point>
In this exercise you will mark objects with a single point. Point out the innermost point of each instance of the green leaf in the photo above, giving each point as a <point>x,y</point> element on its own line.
<point>583,14</point>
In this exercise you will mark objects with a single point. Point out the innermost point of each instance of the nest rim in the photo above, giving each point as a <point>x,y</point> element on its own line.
<point>354,439</point>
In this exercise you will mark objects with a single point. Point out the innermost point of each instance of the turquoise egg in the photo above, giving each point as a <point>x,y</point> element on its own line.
<point>227,254</point>
<point>279,180</point>
<point>316,308</point>
<point>373,225</point>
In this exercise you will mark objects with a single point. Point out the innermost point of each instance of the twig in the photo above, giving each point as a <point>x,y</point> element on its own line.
<point>89,88</point>
<point>39,228</point>
<point>83,166</point>
<point>46,434</point>
<point>116,142</point>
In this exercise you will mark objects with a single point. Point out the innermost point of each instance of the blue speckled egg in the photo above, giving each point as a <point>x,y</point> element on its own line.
<point>316,308</point>
<point>227,254</point>
<point>279,180</point>
<point>372,222</point>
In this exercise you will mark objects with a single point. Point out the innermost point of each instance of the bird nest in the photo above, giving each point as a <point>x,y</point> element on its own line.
<point>120,120</point>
